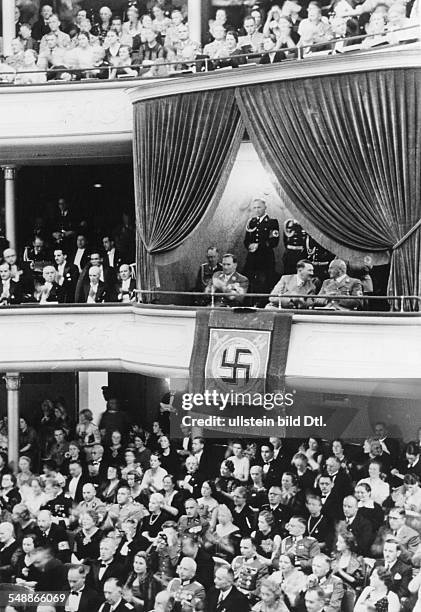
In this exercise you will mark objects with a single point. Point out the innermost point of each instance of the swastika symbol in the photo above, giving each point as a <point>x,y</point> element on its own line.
<point>236,366</point>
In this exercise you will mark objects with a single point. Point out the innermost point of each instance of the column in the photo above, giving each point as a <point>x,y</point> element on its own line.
<point>195,19</point>
<point>90,392</point>
<point>10,204</point>
<point>8,15</point>
<point>13,381</point>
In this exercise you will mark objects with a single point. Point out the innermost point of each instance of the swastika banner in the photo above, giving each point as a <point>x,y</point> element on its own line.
<point>238,360</point>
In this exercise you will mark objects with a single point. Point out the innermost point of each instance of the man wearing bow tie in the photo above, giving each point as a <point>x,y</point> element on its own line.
<point>106,566</point>
<point>67,275</point>
<point>224,596</point>
<point>81,598</point>
<point>10,291</point>
<point>294,284</point>
<point>262,236</point>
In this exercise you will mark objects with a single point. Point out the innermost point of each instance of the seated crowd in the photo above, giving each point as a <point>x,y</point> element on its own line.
<point>152,39</point>
<point>65,263</point>
<point>118,516</point>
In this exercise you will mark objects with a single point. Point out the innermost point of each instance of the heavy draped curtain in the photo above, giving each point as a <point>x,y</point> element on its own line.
<point>346,152</point>
<point>184,149</point>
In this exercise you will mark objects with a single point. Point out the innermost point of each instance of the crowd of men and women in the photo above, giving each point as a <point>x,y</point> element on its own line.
<point>121,517</point>
<point>152,39</point>
<point>66,262</point>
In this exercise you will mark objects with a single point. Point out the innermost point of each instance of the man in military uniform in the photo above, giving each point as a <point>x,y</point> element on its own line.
<point>295,245</point>
<point>262,236</point>
<point>331,585</point>
<point>320,258</point>
<point>340,284</point>
<point>125,508</point>
<point>114,601</point>
<point>208,269</point>
<point>301,283</point>
<point>186,591</point>
<point>229,281</point>
<point>304,548</point>
<point>249,570</point>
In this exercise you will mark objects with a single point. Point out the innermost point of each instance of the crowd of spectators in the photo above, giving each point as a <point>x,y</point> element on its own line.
<point>152,39</point>
<point>119,516</point>
<point>66,263</point>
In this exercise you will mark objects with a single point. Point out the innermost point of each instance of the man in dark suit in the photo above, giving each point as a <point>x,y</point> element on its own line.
<point>50,535</point>
<point>49,572</point>
<point>205,565</point>
<point>79,256</point>
<point>93,291</point>
<point>100,464</point>
<point>400,571</point>
<point>67,275</point>
<point>315,600</point>
<point>9,551</point>
<point>358,525</point>
<point>203,458</point>
<point>10,291</point>
<point>107,566</point>
<point>113,595</point>
<point>342,484</point>
<point>390,445</point>
<point>81,597</point>
<point>50,291</point>
<point>125,288</point>
<point>75,481</point>
<point>112,257</point>
<point>107,275</point>
<point>271,468</point>
<point>224,596</point>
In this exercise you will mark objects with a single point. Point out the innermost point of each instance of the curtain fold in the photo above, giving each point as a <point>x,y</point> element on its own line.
<point>184,150</point>
<point>346,152</point>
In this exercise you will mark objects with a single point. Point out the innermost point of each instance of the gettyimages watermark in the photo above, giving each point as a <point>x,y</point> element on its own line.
<point>221,400</point>
<point>223,413</point>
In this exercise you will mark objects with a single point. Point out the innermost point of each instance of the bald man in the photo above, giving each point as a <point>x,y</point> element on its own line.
<point>94,291</point>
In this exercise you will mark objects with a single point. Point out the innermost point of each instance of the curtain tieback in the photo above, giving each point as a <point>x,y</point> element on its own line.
<point>407,235</point>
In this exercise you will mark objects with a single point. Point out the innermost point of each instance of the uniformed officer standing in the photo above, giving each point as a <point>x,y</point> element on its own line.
<point>295,245</point>
<point>262,236</point>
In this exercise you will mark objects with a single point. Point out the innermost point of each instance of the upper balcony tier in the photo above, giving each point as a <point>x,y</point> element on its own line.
<point>87,121</point>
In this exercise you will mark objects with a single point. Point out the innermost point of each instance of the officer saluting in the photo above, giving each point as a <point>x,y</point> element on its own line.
<point>262,236</point>
<point>295,245</point>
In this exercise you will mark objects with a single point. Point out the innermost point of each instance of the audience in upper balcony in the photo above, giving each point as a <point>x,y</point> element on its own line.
<point>156,40</point>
